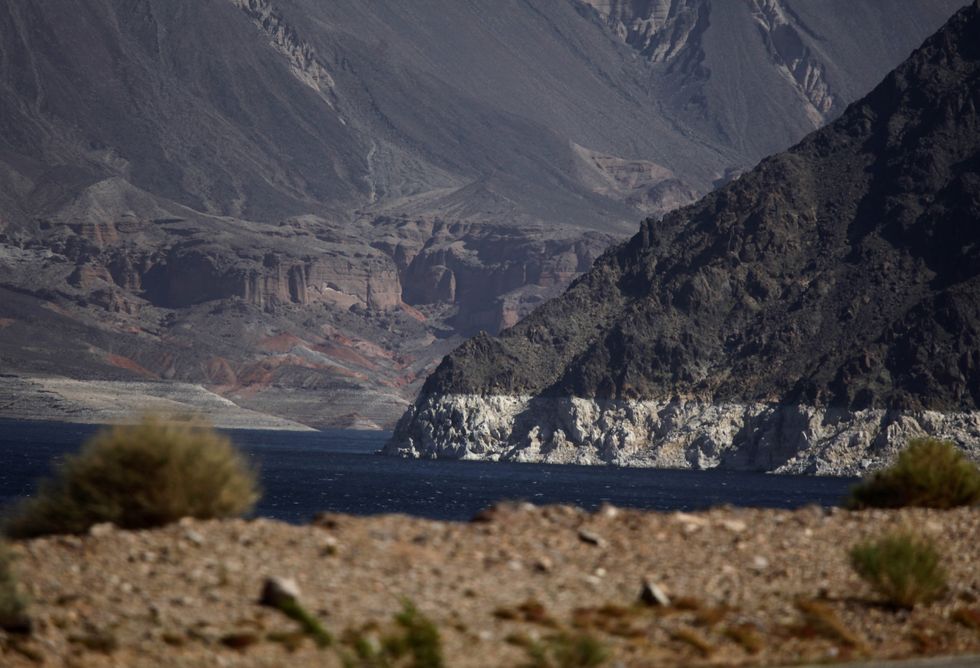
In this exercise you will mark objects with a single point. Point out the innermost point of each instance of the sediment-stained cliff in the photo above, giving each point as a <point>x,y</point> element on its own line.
<point>810,316</point>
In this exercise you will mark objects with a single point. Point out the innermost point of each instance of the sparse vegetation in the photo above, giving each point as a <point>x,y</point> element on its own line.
<point>905,569</point>
<point>141,476</point>
<point>930,473</point>
<point>419,639</point>
<point>747,636</point>
<point>13,607</point>
<point>820,619</point>
<point>695,640</point>
<point>415,643</point>
<point>567,650</point>
<point>310,625</point>
<point>530,611</point>
<point>615,620</point>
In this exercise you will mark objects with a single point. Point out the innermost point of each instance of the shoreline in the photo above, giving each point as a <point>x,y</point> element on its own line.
<point>671,433</point>
<point>60,399</point>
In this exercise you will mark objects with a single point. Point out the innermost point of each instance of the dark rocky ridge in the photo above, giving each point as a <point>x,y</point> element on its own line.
<point>208,192</point>
<point>843,274</point>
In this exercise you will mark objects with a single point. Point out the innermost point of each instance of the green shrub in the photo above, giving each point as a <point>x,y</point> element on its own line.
<point>930,473</point>
<point>415,643</point>
<point>141,476</point>
<point>13,607</point>
<point>419,638</point>
<point>310,625</point>
<point>905,569</point>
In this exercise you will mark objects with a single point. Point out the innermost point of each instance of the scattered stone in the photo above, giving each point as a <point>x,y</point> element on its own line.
<point>277,592</point>
<point>760,563</point>
<point>101,529</point>
<point>652,594</point>
<point>735,526</point>
<point>194,537</point>
<point>691,523</point>
<point>591,538</point>
<point>543,565</point>
<point>608,510</point>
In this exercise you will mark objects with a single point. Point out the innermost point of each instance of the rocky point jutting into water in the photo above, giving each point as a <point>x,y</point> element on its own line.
<point>811,316</point>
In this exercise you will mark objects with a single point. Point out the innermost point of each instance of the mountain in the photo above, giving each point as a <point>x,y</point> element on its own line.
<point>304,205</point>
<point>810,316</point>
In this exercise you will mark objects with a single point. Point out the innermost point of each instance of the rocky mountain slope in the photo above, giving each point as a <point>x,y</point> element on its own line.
<point>808,317</point>
<point>304,205</point>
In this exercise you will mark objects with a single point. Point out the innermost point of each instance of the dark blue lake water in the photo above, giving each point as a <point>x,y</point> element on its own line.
<point>303,473</point>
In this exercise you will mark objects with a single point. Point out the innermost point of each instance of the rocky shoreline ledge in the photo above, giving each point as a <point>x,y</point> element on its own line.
<point>673,433</point>
<point>746,587</point>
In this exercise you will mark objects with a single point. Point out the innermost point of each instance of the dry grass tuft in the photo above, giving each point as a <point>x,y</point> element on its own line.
<point>530,611</point>
<point>694,639</point>
<point>820,619</point>
<point>747,637</point>
<point>615,620</point>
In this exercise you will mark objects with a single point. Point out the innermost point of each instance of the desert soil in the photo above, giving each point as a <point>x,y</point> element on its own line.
<point>747,587</point>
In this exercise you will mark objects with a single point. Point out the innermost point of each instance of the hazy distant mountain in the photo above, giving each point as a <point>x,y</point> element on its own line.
<point>305,204</point>
<point>810,316</point>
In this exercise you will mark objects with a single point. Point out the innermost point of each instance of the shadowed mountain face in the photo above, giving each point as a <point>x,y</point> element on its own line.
<point>813,312</point>
<point>294,200</point>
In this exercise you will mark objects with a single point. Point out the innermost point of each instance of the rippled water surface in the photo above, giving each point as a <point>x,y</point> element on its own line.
<point>303,473</point>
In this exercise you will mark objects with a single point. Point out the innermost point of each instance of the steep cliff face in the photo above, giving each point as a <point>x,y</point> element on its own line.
<point>810,316</point>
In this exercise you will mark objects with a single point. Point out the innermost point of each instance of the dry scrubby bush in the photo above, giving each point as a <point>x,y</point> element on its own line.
<point>905,569</point>
<point>13,607</point>
<point>930,473</point>
<point>139,476</point>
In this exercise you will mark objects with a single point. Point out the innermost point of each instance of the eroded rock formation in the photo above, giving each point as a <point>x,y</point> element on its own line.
<point>810,316</point>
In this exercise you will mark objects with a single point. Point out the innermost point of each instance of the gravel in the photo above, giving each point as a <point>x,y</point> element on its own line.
<point>774,582</point>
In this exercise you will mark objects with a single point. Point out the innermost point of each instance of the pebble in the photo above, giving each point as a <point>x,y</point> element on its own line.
<point>735,526</point>
<point>101,529</point>
<point>591,538</point>
<point>194,537</point>
<point>543,565</point>
<point>652,594</point>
